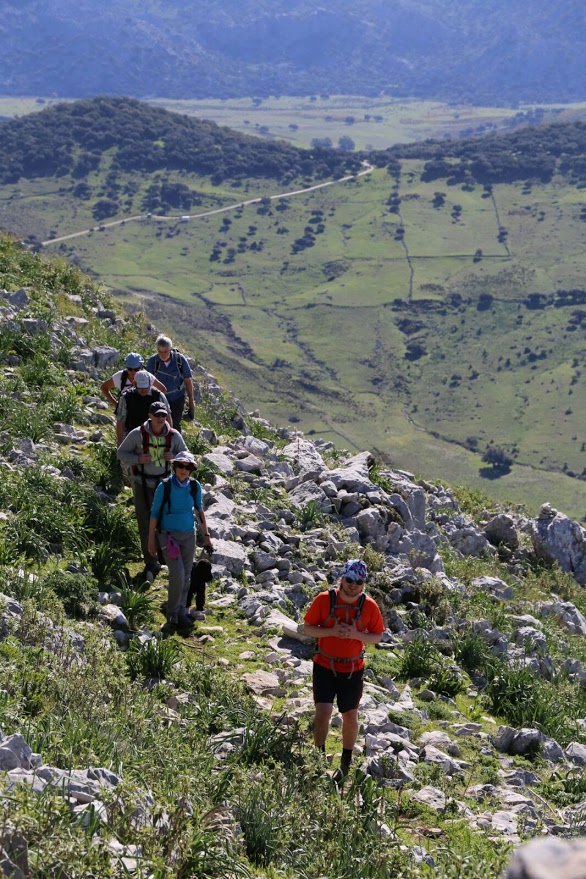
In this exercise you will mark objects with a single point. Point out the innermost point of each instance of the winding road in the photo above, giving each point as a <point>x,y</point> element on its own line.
<point>368,168</point>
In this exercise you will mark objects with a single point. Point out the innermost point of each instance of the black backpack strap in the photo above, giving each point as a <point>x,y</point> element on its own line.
<point>359,607</point>
<point>166,494</point>
<point>179,361</point>
<point>123,379</point>
<point>332,613</point>
<point>178,358</point>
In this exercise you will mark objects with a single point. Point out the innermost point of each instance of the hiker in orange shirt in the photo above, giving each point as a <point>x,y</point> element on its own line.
<point>351,620</point>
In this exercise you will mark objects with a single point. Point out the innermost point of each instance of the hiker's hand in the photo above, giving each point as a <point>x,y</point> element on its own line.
<point>190,413</point>
<point>207,543</point>
<point>168,456</point>
<point>342,630</point>
<point>152,547</point>
<point>144,459</point>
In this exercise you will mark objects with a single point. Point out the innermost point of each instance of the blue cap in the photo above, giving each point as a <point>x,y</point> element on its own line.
<point>133,360</point>
<point>355,569</point>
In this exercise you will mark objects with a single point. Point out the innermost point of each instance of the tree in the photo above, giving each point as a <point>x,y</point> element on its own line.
<point>497,458</point>
<point>321,142</point>
<point>346,144</point>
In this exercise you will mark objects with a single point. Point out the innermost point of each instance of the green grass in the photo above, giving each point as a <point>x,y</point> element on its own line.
<point>214,813</point>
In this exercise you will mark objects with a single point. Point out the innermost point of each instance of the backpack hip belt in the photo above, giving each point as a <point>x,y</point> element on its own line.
<point>351,660</point>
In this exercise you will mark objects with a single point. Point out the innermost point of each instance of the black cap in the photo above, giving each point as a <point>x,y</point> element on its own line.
<point>157,408</point>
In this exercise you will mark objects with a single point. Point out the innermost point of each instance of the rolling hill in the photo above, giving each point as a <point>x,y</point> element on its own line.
<point>431,310</point>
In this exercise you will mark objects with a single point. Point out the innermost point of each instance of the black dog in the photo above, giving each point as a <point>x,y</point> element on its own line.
<point>201,573</point>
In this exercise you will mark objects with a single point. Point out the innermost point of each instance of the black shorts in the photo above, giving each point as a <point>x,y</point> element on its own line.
<point>346,687</point>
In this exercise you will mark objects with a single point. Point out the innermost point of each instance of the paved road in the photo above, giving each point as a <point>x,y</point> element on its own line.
<point>367,170</point>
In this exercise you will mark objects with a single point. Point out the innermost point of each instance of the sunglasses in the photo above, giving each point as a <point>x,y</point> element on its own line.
<point>353,581</point>
<point>132,369</point>
<point>183,467</point>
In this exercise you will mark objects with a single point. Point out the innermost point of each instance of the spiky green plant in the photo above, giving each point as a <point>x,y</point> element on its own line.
<point>154,659</point>
<point>137,607</point>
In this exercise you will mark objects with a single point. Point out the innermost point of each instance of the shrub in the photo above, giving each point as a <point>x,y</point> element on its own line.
<point>78,592</point>
<point>205,472</point>
<point>108,566</point>
<point>154,659</point>
<point>310,515</point>
<point>419,658</point>
<point>446,680</point>
<point>471,651</point>
<point>196,444</point>
<point>522,699</point>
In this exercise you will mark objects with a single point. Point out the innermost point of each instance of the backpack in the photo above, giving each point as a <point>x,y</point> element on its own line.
<point>193,483</point>
<point>146,441</point>
<point>123,382</point>
<point>334,605</point>
<point>137,407</point>
<point>178,360</point>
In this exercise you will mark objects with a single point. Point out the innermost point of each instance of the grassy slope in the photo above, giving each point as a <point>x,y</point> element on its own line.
<point>96,711</point>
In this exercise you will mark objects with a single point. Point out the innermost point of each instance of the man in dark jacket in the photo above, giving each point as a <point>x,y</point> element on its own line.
<point>134,405</point>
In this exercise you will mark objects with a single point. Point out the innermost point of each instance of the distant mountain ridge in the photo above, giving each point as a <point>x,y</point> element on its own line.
<point>464,50</point>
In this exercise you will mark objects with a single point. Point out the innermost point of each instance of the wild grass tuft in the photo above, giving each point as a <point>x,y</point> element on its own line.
<point>519,696</point>
<point>156,658</point>
<point>137,607</point>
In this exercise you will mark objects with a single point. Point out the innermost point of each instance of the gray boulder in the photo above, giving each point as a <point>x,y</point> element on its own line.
<point>306,492</point>
<point>556,538</point>
<point>568,615</point>
<point>501,529</point>
<point>304,454</point>
<point>549,858</point>
<point>354,475</point>
<point>576,753</point>
<point>229,556</point>
<point>18,300</point>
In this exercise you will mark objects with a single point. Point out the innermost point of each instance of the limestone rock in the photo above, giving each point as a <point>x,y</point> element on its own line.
<point>501,529</point>
<point>549,858</point>
<point>556,538</point>
<point>229,556</point>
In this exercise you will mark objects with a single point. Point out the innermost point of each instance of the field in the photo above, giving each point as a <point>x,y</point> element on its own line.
<point>372,123</point>
<point>412,333</point>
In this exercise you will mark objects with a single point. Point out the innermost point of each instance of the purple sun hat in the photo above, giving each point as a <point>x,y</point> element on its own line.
<point>355,569</point>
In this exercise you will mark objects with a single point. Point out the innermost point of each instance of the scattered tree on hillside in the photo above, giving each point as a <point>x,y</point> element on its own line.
<point>105,207</point>
<point>497,458</point>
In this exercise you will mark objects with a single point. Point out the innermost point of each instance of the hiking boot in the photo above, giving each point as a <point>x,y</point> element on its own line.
<point>185,621</point>
<point>169,628</point>
<point>341,773</point>
<point>198,615</point>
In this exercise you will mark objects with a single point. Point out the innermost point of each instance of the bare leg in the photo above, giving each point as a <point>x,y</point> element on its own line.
<point>349,728</point>
<point>321,722</point>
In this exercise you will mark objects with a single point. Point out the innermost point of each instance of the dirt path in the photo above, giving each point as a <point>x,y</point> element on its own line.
<point>368,168</point>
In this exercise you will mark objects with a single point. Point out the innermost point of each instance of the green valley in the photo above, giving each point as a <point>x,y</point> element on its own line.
<point>426,319</point>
